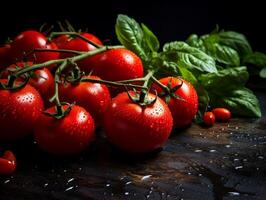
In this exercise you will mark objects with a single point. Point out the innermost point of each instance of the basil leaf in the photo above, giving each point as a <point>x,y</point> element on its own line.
<point>225,79</point>
<point>130,35</point>
<point>263,73</point>
<point>256,59</point>
<point>187,75</point>
<point>241,102</point>
<point>188,57</point>
<point>235,40</point>
<point>151,40</point>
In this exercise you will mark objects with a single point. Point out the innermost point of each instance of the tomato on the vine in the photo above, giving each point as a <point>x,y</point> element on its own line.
<point>19,111</point>
<point>8,163</point>
<point>5,56</point>
<point>66,136</point>
<point>78,44</point>
<point>94,97</point>
<point>185,108</point>
<point>24,43</point>
<point>135,128</point>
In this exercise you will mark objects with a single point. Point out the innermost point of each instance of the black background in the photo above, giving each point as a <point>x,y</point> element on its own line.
<point>170,20</point>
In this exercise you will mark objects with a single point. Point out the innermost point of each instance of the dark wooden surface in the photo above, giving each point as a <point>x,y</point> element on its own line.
<point>227,161</point>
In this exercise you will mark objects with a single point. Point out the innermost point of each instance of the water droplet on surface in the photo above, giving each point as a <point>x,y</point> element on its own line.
<point>212,151</point>
<point>70,180</point>
<point>127,183</point>
<point>108,185</point>
<point>260,157</point>
<point>45,185</point>
<point>234,193</point>
<point>145,177</point>
<point>70,188</point>
<point>198,150</point>
<point>227,146</point>
<point>238,167</point>
<point>6,181</point>
<point>126,193</point>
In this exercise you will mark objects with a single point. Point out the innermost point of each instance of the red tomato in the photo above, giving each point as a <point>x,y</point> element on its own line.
<point>79,45</point>
<point>69,135</point>
<point>19,111</point>
<point>44,83</point>
<point>29,40</point>
<point>183,111</point>
<point>135,128</point>
<point>94,97</point>
<point>61,40</point>
<point>221,114</point>
<point>208,118</point>
<point>8,163</point>
<point>116,65</point>
<point>4,56</point>
<point>42,80</point>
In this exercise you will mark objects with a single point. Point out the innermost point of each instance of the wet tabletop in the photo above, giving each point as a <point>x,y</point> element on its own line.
<point>227,161</point>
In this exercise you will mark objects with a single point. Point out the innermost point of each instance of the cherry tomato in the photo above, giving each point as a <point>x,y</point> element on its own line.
<point>184,110</point>
<point>61,40</point>
<point>79,45</point>
<point>208,118</point>
<point>26,42</point>
<point>5,56</point>
<point>19,111</point>
<point>221,114</point>
<point>44,83</point>
<point>8,163</point>
<point>94,97</point>
<point>42,80</point>
<point>68,135</point>
<point>135,128</point>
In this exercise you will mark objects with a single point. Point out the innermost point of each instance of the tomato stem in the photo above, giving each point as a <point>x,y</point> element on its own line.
<point>53,34</point>
<point>57,50</point>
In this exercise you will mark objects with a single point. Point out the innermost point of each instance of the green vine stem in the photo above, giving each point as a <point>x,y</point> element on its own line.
<point>53,34</point>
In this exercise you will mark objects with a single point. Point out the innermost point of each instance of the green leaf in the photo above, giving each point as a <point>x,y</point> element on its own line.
<point>151,40</point>
<point>222,54</point>
<point>187,75</point>
<point>188,57</point>
<point>263,73</point>
<point>241,102</point>
<point>235,40</point>
<point>225,79</point>
<point>256,59</point>
<point>130,35</point>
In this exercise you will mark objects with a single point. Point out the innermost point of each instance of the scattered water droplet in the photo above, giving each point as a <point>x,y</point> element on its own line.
<point>198,150</point>
<point>212,150</point>
<point>260,157</point>
<point>238,167</point>
<point>236,128</point>
<point>108,185</point>
<point>45,185</point>
<point>227,146</point>
<point>234,193</point>
<point>145,177</point>
<point>70,180</point>
<point>127,183</point>
<point>126,193</point>
<point>70,188</point>
<point>6,181</point>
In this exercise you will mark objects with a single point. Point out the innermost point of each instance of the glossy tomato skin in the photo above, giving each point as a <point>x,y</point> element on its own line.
<point>69,135</point>
<point>79,45</point>
<point>8,163</point>
<point>183,111</point>
<point>44,83</point>
<point>61,40</point>
<point>26,42</point>
<point>116,65</point>
<point>5,59</point>
<point>208,118</point>
<point>221,114</point>
<point>19,112</point>
<point>137,129</point>
<point>94,97</point>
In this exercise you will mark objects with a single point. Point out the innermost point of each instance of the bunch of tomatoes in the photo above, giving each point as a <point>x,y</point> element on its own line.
<point>48,88</point>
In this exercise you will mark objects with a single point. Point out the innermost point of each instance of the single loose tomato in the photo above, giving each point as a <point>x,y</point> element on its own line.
<point>68,135</point>
<point>5,59</point>
<point>208,118</point>
<point>94,97</point>
<point>184,109</point>
<point>135,128</point>
<point>221,114</point>
<point>26,42</point>
<point>19,111</point>
<point>8,163</point>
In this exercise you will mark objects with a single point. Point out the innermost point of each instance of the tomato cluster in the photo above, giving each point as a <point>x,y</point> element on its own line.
<point>63,107</point>
<point>217,114</point>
